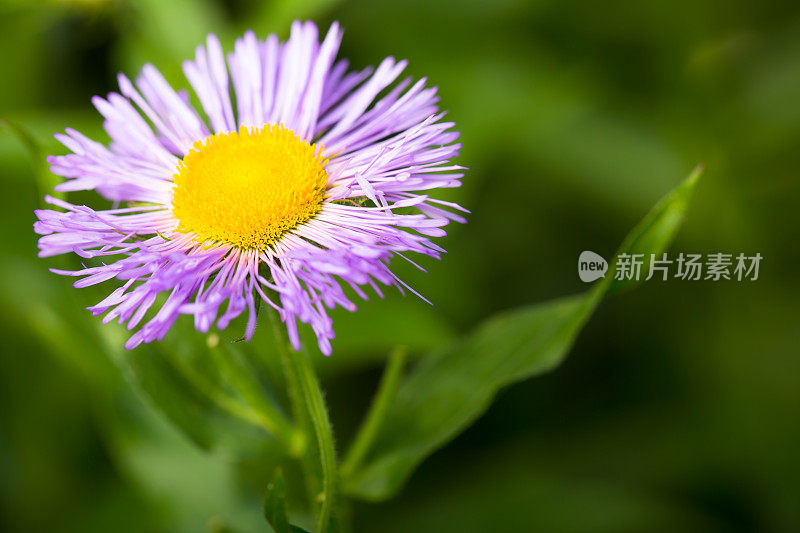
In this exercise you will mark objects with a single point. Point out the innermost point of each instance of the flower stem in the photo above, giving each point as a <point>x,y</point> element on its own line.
<point>309,408</point>
<point>384,397</point>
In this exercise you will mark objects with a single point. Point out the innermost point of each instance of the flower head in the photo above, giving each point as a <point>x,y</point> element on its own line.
<point>299,180</point>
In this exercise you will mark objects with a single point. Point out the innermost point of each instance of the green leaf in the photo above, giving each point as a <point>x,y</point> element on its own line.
<point>275,504</point>
<point>193,395</point>
<point>450,388</point>
<point>232,364</point>
<point>384,399</point>
<point>654,233</point>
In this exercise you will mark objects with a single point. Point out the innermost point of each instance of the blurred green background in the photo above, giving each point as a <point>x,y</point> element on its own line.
<point>679,407</point>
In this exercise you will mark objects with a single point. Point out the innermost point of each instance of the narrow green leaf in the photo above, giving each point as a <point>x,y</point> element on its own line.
<point>450,388</point>
<point>192,396</point>
<point>384,398</point>
<point>232,364</point>
<point>654,233</point>
<point>275,504</point>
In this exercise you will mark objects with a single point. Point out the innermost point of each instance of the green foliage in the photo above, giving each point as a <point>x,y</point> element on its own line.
<point>275,504</point>
<point>574,116</point>
<point>451,387</point>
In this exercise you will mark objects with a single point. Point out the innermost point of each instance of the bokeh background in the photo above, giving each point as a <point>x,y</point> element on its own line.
<point>679,407</point>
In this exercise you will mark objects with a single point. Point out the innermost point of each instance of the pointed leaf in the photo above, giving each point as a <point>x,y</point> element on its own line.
<point>450,388</point>
<point>275,504</point>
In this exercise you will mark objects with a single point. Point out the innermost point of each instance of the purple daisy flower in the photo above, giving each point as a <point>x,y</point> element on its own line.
<point>298,182</point>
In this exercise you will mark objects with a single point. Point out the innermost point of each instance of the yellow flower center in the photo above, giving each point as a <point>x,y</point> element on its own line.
<point>248,188</point>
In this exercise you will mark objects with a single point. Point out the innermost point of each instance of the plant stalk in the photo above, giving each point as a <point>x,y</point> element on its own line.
<point>311,413</point>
